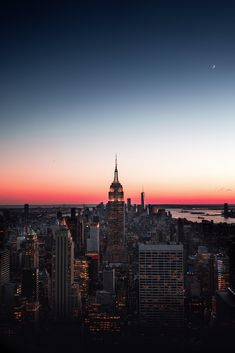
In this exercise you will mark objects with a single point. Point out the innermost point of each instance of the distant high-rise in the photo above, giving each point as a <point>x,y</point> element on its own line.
<point>62,273</point>
<point>116,221</point>
<point>73,213</point>
<point>128,205</point>
<point>26,214</point>
<point>161,285</point>
<point>142,200</point>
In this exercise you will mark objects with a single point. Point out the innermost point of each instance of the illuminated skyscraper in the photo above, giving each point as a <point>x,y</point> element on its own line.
<point>62,273</point>
<point>31,253</point>
<point>116,222</point>
<point>161,284</point>
<point>221,272</point>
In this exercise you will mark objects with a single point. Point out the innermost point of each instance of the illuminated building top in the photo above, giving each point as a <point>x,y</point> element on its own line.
<point>116,190</point>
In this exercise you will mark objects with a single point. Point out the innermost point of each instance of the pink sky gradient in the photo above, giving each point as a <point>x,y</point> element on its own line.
<point>51,194</point>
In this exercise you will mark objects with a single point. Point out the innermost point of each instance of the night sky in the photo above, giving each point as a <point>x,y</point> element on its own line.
<point>153,81</point>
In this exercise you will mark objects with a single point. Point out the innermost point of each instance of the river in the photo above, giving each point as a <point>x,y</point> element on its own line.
<point>200,214</point>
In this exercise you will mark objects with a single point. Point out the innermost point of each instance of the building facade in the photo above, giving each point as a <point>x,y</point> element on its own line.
<point>221,272</point>
<point>62,273</point>
<point>30,273</point>
<point>93,240</point>
<point>4,268</point>
<point>115,252</point>
<point>161,285</point>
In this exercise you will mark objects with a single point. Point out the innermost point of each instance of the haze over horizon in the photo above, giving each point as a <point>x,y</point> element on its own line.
<point>153,82</point>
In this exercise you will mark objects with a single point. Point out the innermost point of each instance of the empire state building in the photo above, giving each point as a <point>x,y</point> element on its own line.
<point>115,252</point>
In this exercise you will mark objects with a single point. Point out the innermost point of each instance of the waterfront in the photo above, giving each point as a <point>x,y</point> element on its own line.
<point>200,214</point>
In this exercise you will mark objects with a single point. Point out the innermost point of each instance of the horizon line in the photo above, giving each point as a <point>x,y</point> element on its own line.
<point>97,203</point>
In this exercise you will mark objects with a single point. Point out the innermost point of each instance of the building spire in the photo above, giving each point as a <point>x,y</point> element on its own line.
<point>116,171</point>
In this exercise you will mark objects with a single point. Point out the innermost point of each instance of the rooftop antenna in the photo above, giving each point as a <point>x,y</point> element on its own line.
<point>115,161</point>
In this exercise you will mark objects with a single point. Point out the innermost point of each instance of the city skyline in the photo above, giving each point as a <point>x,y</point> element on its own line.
<point>150,81</point>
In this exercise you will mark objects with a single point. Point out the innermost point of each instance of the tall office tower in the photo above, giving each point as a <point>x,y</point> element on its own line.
<point>142,200</point>
<point>231,254</point>
<point>4,280</point>
<point>221,268</point>
<point>30,273</point>
<point>31,252</point>
<point>93,271</point>
<point>77,229</point>
<point>181,238</point>
<point>4,267</point>
<point>128,205</point>
<point>62,273</point>
<point>86,234</point>
<point>115,252</point>
<point>180,231</point>
<point>93,238</point>
<point>81,277</point>
<point>2,231</point>
<point>79,241</point>
<point>30,284</point>
<point>26,214</point>
<point>161,285</point>
<point>73,213</point>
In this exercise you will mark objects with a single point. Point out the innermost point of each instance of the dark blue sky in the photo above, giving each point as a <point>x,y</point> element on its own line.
<point>133,77</point>
<point>78,50</point>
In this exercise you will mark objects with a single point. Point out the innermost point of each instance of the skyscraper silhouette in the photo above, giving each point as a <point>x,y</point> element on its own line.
<point>142,200</point>
<point>62,273</point>
<point>30,273</point>
<point>115,252</point>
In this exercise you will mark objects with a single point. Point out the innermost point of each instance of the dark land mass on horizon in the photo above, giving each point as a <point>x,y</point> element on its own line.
<point>179,205</point>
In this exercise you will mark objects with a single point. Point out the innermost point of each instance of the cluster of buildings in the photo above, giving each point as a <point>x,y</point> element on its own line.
<point>113,269</point>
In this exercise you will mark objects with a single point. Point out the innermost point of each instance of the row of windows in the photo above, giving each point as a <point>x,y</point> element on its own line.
<point>158,295</point>
<point>169,277</point>
<point>161,286</point>
<point>160,258</point>
<point>167,300</point>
